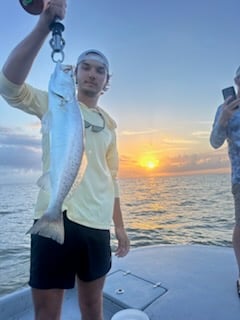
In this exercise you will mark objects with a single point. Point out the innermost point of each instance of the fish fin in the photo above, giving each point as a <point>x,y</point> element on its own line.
<point>49,228</point>
<point>79,176</point>
<point>44,182</point>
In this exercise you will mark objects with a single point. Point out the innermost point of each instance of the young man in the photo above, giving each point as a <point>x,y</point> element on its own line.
<point>86,251</point>
<point>227,127</point>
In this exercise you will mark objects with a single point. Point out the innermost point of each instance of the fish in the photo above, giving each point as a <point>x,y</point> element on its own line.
<point>64,124</point>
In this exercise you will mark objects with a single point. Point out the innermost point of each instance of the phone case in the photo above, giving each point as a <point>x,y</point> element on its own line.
<point>230,91</point>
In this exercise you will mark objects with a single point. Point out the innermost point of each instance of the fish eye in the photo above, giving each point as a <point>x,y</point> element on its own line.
<point>67,69</point>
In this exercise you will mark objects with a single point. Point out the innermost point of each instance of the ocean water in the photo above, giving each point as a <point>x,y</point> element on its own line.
<point>194,209</point>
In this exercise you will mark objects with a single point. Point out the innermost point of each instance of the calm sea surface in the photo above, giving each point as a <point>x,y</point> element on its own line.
<point>158,210</point>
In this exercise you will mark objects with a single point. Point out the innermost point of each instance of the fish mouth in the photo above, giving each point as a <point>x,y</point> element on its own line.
<point>67,68</point>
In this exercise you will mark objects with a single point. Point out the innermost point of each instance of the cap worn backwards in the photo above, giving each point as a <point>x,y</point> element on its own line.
<point>95,55</point>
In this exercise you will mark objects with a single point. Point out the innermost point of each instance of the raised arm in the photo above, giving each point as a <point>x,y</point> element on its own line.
<point>20,60</point>
<point>220,125</point>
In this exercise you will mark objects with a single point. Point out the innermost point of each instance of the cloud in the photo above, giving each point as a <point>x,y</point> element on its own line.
<point>197,162</point>
<point>201,134</point>
<point>178,141</point>
<point>16,140</point>
<point>135,133</point>
<point>216,161</point>
<point>19,150</point>
<point>16,136</point>
<point>20,157</point>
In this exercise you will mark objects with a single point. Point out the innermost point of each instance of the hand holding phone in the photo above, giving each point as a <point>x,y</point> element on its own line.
<point>229,92</point>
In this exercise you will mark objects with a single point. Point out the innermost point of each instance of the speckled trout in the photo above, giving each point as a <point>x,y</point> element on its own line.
<point>63,123</point>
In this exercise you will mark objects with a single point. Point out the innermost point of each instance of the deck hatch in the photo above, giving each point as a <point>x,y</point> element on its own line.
<point>131,291</point>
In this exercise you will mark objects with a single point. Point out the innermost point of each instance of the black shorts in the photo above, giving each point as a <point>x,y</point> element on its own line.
<point>86,252</point>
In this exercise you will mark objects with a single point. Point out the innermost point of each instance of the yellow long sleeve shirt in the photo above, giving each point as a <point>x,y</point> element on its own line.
<point>91,203</point>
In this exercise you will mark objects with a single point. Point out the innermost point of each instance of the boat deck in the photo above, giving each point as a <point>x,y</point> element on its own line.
<point>169,282</point>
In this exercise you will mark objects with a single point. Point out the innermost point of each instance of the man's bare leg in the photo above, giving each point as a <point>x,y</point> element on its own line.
<point>236,244</point>
<point>47,303</point>
<point>90,299</point>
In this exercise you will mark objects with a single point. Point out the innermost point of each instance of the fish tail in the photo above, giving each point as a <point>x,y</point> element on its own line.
<point>48,227</point>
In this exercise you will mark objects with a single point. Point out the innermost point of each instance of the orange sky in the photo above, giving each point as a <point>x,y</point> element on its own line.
<point>142,155</point>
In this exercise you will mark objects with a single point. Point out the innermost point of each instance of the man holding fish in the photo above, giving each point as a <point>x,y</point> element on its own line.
<point>73,242</point>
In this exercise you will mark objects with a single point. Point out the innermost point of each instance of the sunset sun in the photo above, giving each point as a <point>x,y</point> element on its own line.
<point>149,162</point>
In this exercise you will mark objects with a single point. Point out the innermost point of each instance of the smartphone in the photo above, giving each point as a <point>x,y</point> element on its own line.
<point>227,92</point>
<point>230,91</point>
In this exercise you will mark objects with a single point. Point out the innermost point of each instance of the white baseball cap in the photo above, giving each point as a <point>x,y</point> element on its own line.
<point>95,55</point>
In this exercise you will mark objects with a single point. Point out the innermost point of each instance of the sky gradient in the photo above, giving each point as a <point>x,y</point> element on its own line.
<point>169,62</point>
